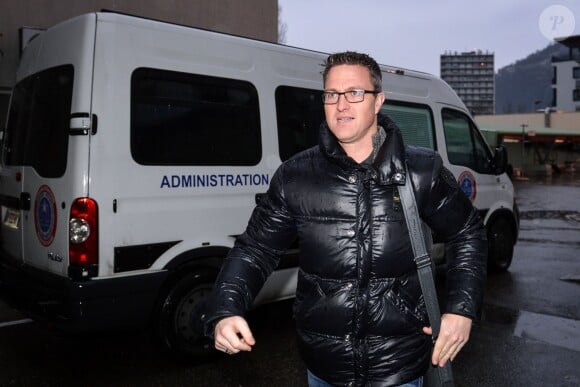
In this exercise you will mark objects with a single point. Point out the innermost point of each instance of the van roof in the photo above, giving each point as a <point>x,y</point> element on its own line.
<point>434,86</point>
<point>106,14</point>
<point>399,82</point>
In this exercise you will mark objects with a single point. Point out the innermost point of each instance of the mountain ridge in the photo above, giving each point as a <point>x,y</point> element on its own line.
<point>526,85</point>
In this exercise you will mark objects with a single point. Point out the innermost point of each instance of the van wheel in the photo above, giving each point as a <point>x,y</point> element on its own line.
<point>179,326</point>
<point>501,240</point>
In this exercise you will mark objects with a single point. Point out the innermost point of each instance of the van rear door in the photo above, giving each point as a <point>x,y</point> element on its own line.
<point>46,145</point>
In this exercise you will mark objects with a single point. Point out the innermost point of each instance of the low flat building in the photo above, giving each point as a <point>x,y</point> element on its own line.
<point>536,142</point>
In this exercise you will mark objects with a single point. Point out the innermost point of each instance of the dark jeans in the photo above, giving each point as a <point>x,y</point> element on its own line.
<point>315,381</point>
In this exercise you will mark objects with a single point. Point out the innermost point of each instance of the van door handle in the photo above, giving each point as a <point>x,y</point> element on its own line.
<point>21,203</point>
<point>80,124</point>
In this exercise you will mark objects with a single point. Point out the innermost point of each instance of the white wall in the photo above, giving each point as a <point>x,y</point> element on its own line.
<point>565,85</point>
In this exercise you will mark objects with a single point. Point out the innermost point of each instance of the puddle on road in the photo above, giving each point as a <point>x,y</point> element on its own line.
<point>559,331</point>
<point>540,240</point>
<point>570,216</point>
<point>550,226</point>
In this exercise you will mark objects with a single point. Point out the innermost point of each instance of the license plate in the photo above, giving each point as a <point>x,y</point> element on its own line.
<point>11,218</point>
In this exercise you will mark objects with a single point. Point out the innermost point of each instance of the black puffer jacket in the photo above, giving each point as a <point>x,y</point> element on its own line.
<point>359,310</point>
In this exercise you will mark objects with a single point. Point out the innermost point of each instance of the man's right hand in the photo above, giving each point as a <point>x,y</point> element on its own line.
<point>232,335</point>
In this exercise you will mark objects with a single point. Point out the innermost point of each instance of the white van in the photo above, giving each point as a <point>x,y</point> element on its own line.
<point>135,151</point>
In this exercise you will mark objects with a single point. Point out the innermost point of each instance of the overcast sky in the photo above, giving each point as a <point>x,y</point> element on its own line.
<point>414,33</point>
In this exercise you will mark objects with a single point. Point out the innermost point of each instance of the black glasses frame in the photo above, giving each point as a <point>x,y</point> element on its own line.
<point>325,95</point>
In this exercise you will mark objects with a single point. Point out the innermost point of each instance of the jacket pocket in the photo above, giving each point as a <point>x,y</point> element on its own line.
<point>412,303</point>
<point>403,308</point>
<point>323,305</point>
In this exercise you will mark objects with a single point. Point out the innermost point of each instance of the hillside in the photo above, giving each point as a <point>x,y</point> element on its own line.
<point>528,80</point>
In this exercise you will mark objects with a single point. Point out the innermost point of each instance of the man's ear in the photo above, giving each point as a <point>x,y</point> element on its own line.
<point>379,100</point>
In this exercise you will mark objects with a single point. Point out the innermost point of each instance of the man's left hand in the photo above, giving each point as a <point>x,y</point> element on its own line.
<point>453,335</point>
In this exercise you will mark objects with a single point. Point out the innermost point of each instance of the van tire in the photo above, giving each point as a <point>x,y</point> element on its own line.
<point>179,328</point>
<point>501,241</point>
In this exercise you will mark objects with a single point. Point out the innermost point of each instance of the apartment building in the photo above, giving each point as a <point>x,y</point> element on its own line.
<point>471,75</point>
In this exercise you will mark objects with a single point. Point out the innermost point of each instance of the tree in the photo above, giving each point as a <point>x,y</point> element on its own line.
<point>282,27</point>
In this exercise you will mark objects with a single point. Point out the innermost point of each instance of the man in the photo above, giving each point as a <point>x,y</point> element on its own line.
<point>359,313</point>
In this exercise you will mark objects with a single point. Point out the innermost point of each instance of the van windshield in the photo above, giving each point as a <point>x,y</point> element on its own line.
<point>38,121</point>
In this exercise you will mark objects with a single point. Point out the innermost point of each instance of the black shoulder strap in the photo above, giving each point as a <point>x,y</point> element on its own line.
<point>423,261</point>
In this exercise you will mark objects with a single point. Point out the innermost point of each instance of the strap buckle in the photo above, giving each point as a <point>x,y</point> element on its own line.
<point>423,261</point>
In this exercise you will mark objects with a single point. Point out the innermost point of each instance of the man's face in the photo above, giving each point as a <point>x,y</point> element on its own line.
<point>352,123</point>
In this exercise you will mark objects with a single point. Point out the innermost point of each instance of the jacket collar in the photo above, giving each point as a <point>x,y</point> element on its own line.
<point>389,165</point>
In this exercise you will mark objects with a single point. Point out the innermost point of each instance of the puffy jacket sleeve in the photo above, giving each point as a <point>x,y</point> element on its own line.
<point>255,255</point>
<point>455,221</point>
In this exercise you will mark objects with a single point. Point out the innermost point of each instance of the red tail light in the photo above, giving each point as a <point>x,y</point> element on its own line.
<point>83,233</point>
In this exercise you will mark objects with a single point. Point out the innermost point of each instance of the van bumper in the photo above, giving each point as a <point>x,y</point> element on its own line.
<point>80,306</point>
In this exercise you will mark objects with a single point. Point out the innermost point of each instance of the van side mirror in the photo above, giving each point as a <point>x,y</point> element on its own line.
<point>500,160</point>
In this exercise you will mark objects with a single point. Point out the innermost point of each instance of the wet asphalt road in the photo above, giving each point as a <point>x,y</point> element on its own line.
<point>529,334</point>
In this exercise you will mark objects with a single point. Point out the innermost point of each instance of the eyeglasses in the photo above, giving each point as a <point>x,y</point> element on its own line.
<point>352,96</point>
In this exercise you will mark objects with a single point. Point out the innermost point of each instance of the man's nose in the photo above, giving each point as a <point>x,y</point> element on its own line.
<point>342,103</point>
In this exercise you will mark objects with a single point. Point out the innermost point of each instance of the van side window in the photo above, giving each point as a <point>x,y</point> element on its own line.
<point>188,119</point>
<point>465,146</point>
<point>414,120</point>
<point>38,122</point>
<point>299,113</point>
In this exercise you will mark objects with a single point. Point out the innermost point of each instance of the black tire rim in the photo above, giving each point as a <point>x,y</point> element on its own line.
<point>185,309</point>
